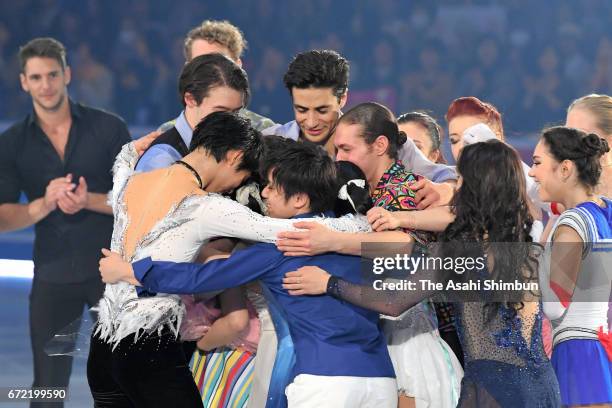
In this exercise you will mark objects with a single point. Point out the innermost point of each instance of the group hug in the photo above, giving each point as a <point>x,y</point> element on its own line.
<point>235,271</point>
<point>315,199</point>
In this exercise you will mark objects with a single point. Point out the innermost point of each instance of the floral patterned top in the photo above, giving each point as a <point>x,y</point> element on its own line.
<point>393,193</point>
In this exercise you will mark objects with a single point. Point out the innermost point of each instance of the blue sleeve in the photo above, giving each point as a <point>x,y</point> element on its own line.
<point>443,173</point>
<point>415,161</point>
<point>184,278</point>
<point>157,157</point>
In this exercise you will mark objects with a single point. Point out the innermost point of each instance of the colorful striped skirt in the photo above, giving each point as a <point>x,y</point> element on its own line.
<point>223,377</point>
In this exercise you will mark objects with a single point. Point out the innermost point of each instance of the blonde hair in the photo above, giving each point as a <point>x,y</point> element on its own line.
<point>600,106</point>
<point>221,32</point>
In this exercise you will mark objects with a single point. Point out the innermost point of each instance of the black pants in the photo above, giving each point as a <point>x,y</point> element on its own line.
<point>54,306</point>
<point>150,373</point>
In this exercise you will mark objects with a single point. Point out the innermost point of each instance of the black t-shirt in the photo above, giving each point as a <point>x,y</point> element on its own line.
<point>66,247</point>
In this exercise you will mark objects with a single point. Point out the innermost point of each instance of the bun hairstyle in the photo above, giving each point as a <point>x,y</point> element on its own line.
<point>376,120</point>
<point>402,137</point>
<point>595,145</point>
<point>583,149</point>
<point>434,130</point>
<point>353,190</point>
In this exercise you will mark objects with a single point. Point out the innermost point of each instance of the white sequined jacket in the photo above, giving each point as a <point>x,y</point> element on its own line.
<point>177,237</point>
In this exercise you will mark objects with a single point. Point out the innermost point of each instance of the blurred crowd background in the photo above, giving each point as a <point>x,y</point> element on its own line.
<point>529,58</point>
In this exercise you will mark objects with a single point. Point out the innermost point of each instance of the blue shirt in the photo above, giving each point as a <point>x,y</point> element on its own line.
<point>163,155</point>
<point>331,337</point>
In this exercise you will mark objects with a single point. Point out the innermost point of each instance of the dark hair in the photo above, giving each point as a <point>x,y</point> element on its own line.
<point>581,148</point>
<point>220,132</point>
<point>434,130</point>
<point>205,72</point>
<point>360,196</point>
<point>301,168</point>
<point>46,47</point>
<point>376,120</point>
<point>318,69</point>
<point>273,148</point>
<point>491,207</point>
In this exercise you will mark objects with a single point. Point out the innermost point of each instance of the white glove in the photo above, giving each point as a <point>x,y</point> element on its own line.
<point>477,133</point>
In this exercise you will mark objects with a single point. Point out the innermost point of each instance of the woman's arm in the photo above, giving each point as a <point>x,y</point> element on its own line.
<point>548,228</point>
<point>234,320</point>
<point>432,219</point>
<point>561,265</point>
<point>312,280</point>
<point>566,259</point>
<point>317,239</point>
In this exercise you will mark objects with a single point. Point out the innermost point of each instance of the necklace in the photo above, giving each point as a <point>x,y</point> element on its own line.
<point>191,169</point>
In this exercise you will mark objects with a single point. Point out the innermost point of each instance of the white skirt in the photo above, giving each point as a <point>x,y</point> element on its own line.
<point>426,368</point>
<point>266,353</point>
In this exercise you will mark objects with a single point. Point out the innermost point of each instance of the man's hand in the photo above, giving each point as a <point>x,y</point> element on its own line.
<point>143,143</point>
<point>317,239</point>
<point>114,269</point>
<point>56,189</point>
<point>307,280</point>
<point>73,202</point>
<point>430,194</point>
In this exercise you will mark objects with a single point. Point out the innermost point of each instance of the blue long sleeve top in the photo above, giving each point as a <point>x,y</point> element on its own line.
<point>331,337</point>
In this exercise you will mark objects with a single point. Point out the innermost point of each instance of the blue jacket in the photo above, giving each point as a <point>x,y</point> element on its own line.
<point>331,337</point>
